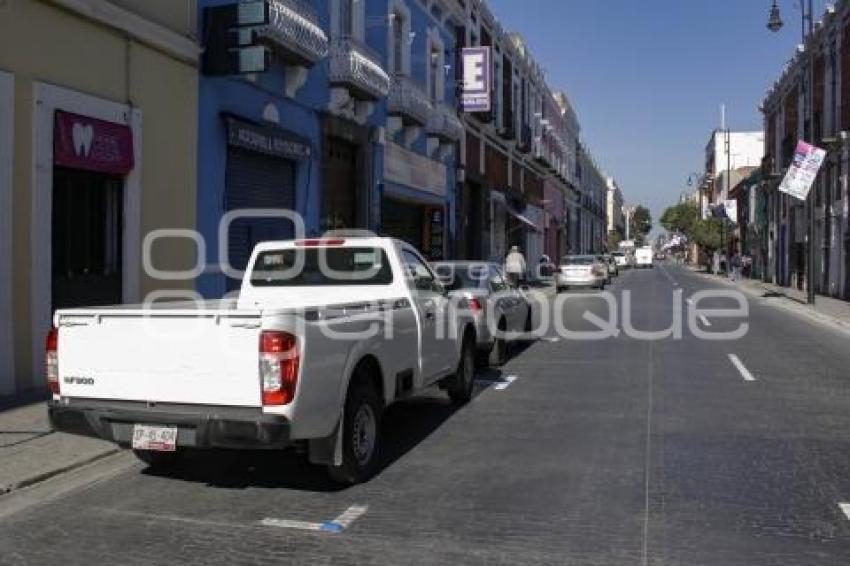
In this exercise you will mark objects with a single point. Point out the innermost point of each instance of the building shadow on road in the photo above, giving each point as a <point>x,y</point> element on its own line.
<point>405,425</point>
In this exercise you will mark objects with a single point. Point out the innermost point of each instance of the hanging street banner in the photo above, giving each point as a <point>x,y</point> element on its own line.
<point>803,170</point>
<point>475,96</point>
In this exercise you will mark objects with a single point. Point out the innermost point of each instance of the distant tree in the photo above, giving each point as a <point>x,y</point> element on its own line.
<point>614,239</point>
<point>641,224</point>
<point>681,218</point>
<point>684,218</point>
<point>706,233</point>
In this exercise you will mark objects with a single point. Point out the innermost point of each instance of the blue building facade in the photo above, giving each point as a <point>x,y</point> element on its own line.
<point>352,125</point>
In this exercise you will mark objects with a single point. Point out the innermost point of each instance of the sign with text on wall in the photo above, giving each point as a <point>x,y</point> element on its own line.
<point>803,170</point>
<point>435,226</point>
<point>477,79</point>
<point>81,142</point>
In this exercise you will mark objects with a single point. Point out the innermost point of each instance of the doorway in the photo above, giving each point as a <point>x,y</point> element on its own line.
<point>339,185</point>
<point>87,238</point>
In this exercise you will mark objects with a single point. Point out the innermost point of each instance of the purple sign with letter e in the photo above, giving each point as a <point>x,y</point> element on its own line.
<point>475,96</point>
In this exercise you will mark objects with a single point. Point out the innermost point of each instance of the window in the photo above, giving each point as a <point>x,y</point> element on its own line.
<point>321,267</point>
<point>346,18</point>
<point>398,43</point>
<point>456,276</point>
<point>419,275</point>
<point>497,282</point>
<point>578,260</point>
<point>433,70</point>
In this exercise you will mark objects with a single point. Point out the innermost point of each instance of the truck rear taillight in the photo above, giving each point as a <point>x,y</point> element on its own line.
<point>52,361</point>
<point>279,363</point>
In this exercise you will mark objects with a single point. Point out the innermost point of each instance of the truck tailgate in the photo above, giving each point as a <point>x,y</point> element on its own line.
<point>191,358</point>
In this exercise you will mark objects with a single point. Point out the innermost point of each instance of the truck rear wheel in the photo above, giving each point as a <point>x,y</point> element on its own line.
<point>460,390</point>
<point>361,435</point>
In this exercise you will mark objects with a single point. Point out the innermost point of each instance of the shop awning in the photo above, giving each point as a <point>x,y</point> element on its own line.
<point>522,218</point>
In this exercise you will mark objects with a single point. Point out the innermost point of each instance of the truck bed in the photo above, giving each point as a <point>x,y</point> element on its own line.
<point>174,353</point>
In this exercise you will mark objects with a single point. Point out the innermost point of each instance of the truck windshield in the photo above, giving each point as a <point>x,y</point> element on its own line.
<point>321,267</point>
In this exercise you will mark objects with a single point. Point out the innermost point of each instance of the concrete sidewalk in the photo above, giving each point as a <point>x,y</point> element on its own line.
<point>826,309</point>
<point>30,452</point>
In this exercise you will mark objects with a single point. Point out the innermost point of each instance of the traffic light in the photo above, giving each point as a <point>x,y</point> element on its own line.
<point>230,41</point>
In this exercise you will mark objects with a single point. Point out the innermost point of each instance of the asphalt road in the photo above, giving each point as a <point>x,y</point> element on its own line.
<point>614,451</point>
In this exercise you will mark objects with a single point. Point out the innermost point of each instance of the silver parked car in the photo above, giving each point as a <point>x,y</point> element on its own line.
<point>482,288</point>
<point>581,271</point>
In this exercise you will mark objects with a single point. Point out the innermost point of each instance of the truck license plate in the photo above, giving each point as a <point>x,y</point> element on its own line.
<point>157,438</point>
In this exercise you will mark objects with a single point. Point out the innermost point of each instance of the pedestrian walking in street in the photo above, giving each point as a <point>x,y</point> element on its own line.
<point>735,267</point>
<point>515,266</point>
<point>545,268</point>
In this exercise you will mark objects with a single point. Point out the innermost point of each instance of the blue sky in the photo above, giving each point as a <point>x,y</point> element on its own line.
<point>647,77</point>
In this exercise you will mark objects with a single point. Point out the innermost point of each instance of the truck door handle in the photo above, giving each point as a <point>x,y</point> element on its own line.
<point>429,315</point>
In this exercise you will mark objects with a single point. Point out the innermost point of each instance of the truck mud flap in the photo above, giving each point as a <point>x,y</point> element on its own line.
<point>327,451</point>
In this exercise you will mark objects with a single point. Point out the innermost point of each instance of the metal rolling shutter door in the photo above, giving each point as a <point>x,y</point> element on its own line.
<point>254,180</point>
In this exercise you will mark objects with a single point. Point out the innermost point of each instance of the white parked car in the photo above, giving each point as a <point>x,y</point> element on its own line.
<point>303,357</point>
<point>622,260</point>
<point>643,257</point>
<point>581,271</point>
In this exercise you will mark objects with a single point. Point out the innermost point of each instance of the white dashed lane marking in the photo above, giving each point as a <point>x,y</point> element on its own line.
<point>289,524</point>
<point>336,526</point>
<point>499,384</point>
<point>505,383</point>
<point>742,369</point>
<point>845,508</point>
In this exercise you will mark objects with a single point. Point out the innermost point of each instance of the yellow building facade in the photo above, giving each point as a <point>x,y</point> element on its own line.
<point>98,147</point>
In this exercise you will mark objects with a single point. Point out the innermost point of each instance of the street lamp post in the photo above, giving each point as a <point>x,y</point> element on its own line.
<point>774,24</point>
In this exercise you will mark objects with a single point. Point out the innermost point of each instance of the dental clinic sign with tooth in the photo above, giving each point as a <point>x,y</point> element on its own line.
<point>80,142</point>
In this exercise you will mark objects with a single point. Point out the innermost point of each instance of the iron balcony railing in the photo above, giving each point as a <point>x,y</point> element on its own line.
<point>294,32</point>
<point>542,153</point>
<point>408,100</point>
<point>355,65</point>
<point>444,123</point>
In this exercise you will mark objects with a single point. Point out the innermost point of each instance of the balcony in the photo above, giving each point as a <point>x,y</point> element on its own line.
<point>508,130</point>
<point>408,101</point>
<point>444,124</point>
<point>294,33</point>
<point>524,142</point>
<point>356,67</point>
<point>542,155</point>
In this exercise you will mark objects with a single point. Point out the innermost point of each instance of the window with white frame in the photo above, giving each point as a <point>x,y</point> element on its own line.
<point>398,44</point>
<point>400,38</point>
<point>436,66</point>
<point>348,18</point>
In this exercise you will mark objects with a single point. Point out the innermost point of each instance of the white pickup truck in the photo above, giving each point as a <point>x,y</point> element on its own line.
<point>324,335</point>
